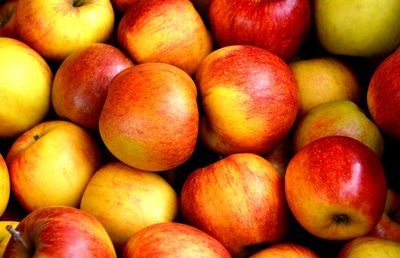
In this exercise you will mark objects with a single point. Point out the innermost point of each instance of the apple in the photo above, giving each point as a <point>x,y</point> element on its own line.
<point>51,163</point>
<point>370,247</point>
<point>367,28</point>
<point>389,225</point>
<point>324,79</point>
<point>286,249</point>
<point>59,231</point>
<point>171,239</point>
<point>280,156</point>
<point>340,117</point>
<point>169,32</point>
<point>57,28</point>
<point>24,89</point>
<point>342,185</point>
<point>4,185</point>
<point>123,5</point>
<point>202,7</point>
<point>150,117</point>
<point>126,200</point>
<point>7,19</point>
<point>250,99</point>
<point>239,200</point>
<point>383,97</point>
<point>5,235</point>
<point>279,26</point>
<point>80,84</point>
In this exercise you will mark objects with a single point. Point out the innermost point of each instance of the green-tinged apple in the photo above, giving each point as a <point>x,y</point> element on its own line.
<point>250,100</point>
<point>5,235</point>
<point>382,95</point>
<point>340,117</point>
<point>80,84</point>
<point>123,5</point>
<point>59,231</point>
<point>239,200</point>
<point>126,200</point>
<point>324,79</point>
<point>163,31</point>
<point>170,240</point>
<point>280,156</point>
<point>24,89</point>
<point>286,250</point>
<point>358,28</point>
<point>56,28</point>
<point>4,185</point>
<point>150,117</point>
<point>370,247</point>
<point>336,188</point>
<point>279,26</point>
<point>389,225</point>
<point>7,19</point>
<point>51,163</point>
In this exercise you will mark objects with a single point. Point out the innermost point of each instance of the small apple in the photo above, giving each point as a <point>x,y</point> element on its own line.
<point>287,250</point>
<point>51,163</point>
<point>56,28</point>
<point>171,239</point>
<point>80,84</point>
<point>126,200</point>
<point>169,32</point>
<point>239,200</point>
<point>279,26</point>
<point>7,19</point>
<point>61,232</point>
<point>342,185</point>
<point>4,185</point>
<point>5,235</point>
<point>250,100</point>
<point>358,28</point>
<point>24,89</point>
<point>150,117</point>
<point>370,247</point>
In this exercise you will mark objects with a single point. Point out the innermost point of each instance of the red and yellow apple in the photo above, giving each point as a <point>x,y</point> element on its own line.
<point>7,19</point>
<point>376,247</point>
<point>4,185</point>
<point>287,250</point>
<point>5,235</point>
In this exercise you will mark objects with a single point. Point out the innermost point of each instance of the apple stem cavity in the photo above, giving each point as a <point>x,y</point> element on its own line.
<point>16,235</point>
<point>77,3</point>
<point>341,219</point>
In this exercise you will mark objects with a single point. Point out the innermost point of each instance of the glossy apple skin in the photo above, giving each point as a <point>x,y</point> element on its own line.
<point>4,185</point>
<point>250,100</point>
<point>288,250</point>
<point>126,200</point>
<point>7,19</point>
<point>26,99</point>
<point>239,200</point>
<point>166,31</point>
<point>171,239</point>
<point>370,247</point>
<point>336,176</point>
<point>383,97</point>
<point>278,26</point>
<point>57,159</point>
<point>80,84</point>
<point>144,114</point>
<point>55,28</point>
<point>60,231</point>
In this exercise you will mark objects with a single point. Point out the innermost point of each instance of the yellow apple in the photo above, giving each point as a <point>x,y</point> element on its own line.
<point>4,185</point>
<point>374,247</point>
<point>5,235</point>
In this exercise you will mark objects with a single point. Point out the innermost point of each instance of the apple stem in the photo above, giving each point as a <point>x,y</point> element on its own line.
<point>16,235</point>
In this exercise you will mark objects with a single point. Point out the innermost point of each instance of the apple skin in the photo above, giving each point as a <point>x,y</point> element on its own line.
<point>126,200</point>
<point>56,28</point>
<point>57,159</point>
<point>288,250</point>
<point>4,185</point>
<point>368,28</point>
<point>26,99</point>
<point>324,79</point>
<point>141,101</point>
<point>171,239</point>
<point>5,235</point>
<point>123,5</point>
<point>60,231</point>
<point>239,200</point>
<point>166,31</point>
<point>366,246</point>
<point>388,227</point>
<point>278,26</point>
<point>7,19</point>
<point>383,97</point>
<point>342,185</point>
<point>340,117</point>
<point>250,100</point>
<point>80,84</point>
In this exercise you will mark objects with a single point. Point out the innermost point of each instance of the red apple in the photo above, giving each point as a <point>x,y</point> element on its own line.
<point>60,232</point>
<point>276,25</point>
<point>250,100</point>
<point>7,19</point>
<point>287,250</point>
<point>150,117</point>
<point>370,247</point>
<point>382,96</point>
<point>239,200</point>
<point>336,188</point>
<point>171,239</point>
<point>81,81</point>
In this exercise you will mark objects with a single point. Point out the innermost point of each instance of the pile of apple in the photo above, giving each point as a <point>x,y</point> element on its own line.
<point>178,128</point>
